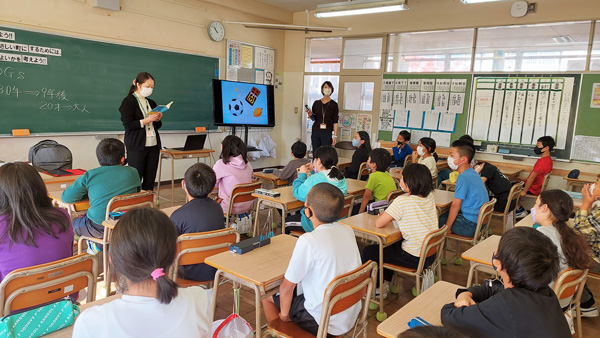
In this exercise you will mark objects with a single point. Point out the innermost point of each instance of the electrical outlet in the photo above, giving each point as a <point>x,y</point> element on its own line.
<point>295,110</point>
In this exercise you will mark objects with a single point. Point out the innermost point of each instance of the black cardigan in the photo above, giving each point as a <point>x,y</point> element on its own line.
<point>514,313</point>
<point>131,114</point>
<point>360,155</point>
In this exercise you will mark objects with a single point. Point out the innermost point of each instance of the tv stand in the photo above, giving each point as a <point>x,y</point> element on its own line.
<point>245,138</point>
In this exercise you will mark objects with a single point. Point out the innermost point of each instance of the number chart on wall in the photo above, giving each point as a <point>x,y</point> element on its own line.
<point>518,110</point>
<point>428,105</point>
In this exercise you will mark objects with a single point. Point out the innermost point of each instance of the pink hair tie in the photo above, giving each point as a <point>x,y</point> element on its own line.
<point>157,273</point>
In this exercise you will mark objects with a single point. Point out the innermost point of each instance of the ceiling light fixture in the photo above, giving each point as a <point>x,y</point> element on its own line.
<point>358,7</point>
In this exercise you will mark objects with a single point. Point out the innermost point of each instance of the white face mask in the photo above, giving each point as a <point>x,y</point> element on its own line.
<point>451,163</point>
<point>592,188</point>
<point>420,150</point>
<point>146,91</point>
<point>327,91</point>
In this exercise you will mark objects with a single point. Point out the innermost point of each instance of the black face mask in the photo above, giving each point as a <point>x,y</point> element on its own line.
<point>537,151</point>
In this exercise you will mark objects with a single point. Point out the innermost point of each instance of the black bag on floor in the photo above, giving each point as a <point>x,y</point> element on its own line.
<point>50,155</point>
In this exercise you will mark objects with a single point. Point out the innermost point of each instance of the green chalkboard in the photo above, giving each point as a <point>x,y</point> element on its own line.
<point>81,89</point>
<point>588,118</point>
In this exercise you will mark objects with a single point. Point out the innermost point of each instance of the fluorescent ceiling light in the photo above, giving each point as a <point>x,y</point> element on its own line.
<point>477,1</point>
<point>357,7</point>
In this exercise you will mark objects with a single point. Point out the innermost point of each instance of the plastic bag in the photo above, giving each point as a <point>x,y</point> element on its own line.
<point>233,326</point>
<point>509,221</point>
<point>569,317</point>
<point>243,223</point>
<point>428,280</point>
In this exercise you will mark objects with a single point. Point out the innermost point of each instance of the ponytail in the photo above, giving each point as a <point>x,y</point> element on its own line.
<point>139,79</point>
<point>329,160</point>
<point>430,145</point>
<point>336,173</point>
<point>166,290</point>
<point>435,156</point>
<point>574,246</point>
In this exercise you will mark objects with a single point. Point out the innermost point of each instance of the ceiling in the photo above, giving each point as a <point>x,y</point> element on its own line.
<point>297,5</point>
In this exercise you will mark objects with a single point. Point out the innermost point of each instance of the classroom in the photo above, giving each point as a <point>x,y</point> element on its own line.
<point>504,72</point>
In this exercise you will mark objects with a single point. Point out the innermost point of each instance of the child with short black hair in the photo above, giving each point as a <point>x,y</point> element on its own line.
<point>200,214</point>
<point>541,168</point>
<point>380,183</point>
<point>363,143</point>
<point>290,171</point>
<point>101,184</point>
<point>525,306</point>
<point>319,257</point>
<point>142,250</point>
<point>402,149</point>
<point>470,192</point>
<point>426,155</point>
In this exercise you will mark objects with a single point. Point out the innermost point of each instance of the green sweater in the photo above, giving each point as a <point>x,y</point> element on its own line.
<point>100,185</point>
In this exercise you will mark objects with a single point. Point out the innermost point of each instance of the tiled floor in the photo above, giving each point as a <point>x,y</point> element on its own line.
<point>451,273</point>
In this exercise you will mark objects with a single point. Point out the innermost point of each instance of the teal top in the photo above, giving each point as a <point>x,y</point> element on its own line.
<point>100,185</point>
<point>303,184</point>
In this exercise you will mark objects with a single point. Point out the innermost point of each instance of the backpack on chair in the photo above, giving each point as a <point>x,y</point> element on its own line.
<point>50,155</point>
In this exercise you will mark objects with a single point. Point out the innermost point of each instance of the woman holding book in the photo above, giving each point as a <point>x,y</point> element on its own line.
<point>141,129</point>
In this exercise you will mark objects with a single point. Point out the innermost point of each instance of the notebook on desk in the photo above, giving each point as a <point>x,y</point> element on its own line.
<point>193,142</point>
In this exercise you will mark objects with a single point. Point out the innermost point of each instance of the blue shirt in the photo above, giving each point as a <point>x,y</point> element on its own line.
<point>471,190</point>
<point>400,154</point>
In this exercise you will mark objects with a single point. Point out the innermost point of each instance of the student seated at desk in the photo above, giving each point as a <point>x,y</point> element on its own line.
<point>142,250</point>
<point>541,168</point>
<point>426,155</point>
<point>380,183</point>
<point>320,256</point>
<point>362,141</point>
<point>445,174</point>
<point>326,171</point>
<point>525,306</point>
<point>552,211</point>
<point>415,215</point>
<point>498,185</point>
<point>401,150</point>
<point>289,172</point>
<point>101,184</point>
<point>232,169</point>
<point>200,214</point>
<point>587,222</point>
<point>470,192</point>
<point>32,231</point>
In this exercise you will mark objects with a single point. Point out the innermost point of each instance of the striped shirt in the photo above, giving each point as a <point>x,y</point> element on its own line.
<point>416,217</point>
<point>588,224</point>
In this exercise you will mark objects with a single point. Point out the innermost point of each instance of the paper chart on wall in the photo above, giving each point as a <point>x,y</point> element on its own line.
<point>400,84</point>
<point>447,122</point>
<point>247,57</point>
<point>458,85</point>
<point>416,135</point>
<point>507,113</point>
<point>442,85</point>
<point>386,100</point>
<point>496,119</point>
<point>386,124</point>
<point>540,115</point>
<point>347,120</point>
<point>481,113</point>
<point>345,134</point>
<point>431,119</point>
<point>518,116</point>
<point>413,101</point>
<point>387,84</point>
<point>456,103</point>
<point>386,113</point>
<point>595,102</point>
<point>440,102</point>
<point>400,118</point>
<point>529,117</point>
<point>553,109</point>
<point>427,85</point>
<point>264,58</point>
<point>234,54</point>
<point>441,139</point>
<point>426,101</point>
<point>364,122</point>
<point>395,133</point>
<point>586,148</point>
<point>565,109</point>
<point>414,84</point>
<point>415,119</point>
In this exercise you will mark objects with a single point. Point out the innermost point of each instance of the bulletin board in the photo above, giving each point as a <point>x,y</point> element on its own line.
<point>586,142</point>
<point>427,105</point>
<point>513,111</point>
<point>250,63</point>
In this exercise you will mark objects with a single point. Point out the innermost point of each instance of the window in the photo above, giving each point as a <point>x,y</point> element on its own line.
<point>363,53</point>
<point>323,55</point>
<point>358,95</point>
<point>532,48</point>
<point>595,57</point>
<point>439,51</point>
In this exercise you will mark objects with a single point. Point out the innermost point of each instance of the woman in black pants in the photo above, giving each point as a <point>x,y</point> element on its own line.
<point>324,113</point>
<point>141,129</point>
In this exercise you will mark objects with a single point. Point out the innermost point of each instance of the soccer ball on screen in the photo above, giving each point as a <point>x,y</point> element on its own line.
<point>236,107</point>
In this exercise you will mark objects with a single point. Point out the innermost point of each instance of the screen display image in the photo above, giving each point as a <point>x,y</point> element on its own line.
<point>239,103</point>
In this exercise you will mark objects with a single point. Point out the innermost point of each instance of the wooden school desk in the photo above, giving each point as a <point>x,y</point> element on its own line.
<point>67,332</point>
<point>261,269</point>
<point>356,187</point>
<point>344,162</point>
<point>110,223</point>
<point>480,256</point>
<point>178,155</point>
<point>58,182</point>
<point>364,227</point>
<point>286,202</point>
<point>427,305</point>
<point>71,208</point>
<point>269,180</point>
<point>579,181</point>
<point>443,200</point>
<point>442,164</point>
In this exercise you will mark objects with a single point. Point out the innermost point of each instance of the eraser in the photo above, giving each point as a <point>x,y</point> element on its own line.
<point>200,129</point>
<point>20,132</point>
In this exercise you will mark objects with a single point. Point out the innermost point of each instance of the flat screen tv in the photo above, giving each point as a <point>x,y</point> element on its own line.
<point>243,104</point>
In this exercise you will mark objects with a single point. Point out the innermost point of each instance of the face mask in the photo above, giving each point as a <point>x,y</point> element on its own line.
<point>146,91</point>
<point>493,266</point>
<point>533,213</point>
<point>420,151</point>
<point>451,163</point>
<point>355,142</point>
<point>402,188</point>
<point>537,151</point>
<point>327,91</point>
<point>592,188</point>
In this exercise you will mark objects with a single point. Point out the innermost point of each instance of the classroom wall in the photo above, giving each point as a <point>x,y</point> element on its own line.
<point>426,15</point>
<point>176,25</point>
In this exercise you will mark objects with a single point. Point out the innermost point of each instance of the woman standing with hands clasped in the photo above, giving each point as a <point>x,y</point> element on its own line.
<point>141,129</point>
<point>324,113</point>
